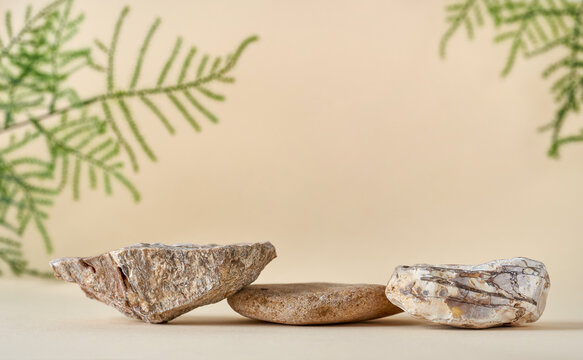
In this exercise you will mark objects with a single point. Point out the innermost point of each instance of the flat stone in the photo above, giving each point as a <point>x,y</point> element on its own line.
<point>156,282</point>
<point>499,292</point>
<point>312,303</point>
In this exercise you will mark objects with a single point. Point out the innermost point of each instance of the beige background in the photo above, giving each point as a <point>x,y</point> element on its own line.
<point>346,142</point>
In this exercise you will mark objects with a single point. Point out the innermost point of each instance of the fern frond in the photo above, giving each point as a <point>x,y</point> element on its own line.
<point>135,130</point>
<point>184,112</point>
<point>90,159</point>
<point>120,138</point>
<point>27,192</point>
<point>29,25</point>
<point>201,66</point>
<point>101,46</point>
<point>186,64</point>
<point>16,145</point>
<point>221,75</point>
<point>200,108</point>
<point>170,61</point>
<point>8,23</point>
<point>537,27</point>
<point>112,48</point>
<point>11,254</point>
<point>458,14</point>
<point>10,243</point>
<point>528,32</point>
<point>87,142</point>
<point>568,88</point>
<point>142,53</point>
<point>76,178</point>
<point>158,114</point>
<point>210,94</point>
<point>92,177</point>
<point>27,12</point>
<point>107,184</point>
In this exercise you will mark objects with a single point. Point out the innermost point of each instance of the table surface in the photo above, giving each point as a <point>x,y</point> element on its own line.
<point>47,319</point>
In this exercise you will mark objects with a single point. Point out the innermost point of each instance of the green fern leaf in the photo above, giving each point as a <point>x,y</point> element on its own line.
<point>83,138</point>
<point>533,28</point>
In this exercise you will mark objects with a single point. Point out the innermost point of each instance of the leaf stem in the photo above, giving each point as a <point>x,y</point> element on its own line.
<point>133,93</point>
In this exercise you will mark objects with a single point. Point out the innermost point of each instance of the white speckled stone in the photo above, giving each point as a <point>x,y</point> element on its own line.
<point>500,292</point>
<point>156,282</point>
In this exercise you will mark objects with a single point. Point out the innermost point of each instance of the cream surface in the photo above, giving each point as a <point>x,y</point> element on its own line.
<point>64,326</point>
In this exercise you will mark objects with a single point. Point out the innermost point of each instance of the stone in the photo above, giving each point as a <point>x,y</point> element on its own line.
<point>499,292</point>
<point>312,303</point>
<point>156,283</point>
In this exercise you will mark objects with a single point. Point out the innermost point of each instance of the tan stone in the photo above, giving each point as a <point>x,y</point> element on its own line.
<point>156,282</point>
<point>312,303</point>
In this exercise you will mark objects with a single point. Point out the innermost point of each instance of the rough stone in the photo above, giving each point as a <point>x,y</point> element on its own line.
<point>312,303</point>
<point>156,282</point>
<point>500,292</point>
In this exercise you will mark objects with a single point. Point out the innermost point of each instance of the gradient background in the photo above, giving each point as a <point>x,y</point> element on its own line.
<point>346,142</point>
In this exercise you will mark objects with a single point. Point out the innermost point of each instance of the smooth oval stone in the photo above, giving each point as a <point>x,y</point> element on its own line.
<point>312,303</point>
<point>500,292</point>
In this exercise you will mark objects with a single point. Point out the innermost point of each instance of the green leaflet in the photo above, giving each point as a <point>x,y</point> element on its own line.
<point>90,143</point>
<point>530,29</point>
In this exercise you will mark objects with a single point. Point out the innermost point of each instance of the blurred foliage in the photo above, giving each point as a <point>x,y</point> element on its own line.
<point>530,29</point>
<point>84,141</point>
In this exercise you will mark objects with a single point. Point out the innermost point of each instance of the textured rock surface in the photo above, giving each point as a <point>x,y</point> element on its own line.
<point>312,303</point>
<point>500,292</point>
<point>156,282</point>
